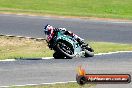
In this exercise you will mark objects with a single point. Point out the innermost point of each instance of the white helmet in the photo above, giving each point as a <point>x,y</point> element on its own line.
<point>47,29</point>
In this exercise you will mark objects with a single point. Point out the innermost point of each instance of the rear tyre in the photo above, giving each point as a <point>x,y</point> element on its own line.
<point>89,52</point>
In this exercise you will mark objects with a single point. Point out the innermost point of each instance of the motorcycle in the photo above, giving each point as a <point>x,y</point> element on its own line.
<point>66,47</point>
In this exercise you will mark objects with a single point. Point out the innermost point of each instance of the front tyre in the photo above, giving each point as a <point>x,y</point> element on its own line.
<point>57,55</point>
<point>65,49</point>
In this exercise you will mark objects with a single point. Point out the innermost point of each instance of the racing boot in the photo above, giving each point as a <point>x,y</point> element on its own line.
<point>81,43</point>
<point>84,44</point>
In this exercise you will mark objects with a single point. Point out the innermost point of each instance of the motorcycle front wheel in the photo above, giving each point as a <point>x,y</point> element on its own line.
<point>57,55</point>
<point>65,49</point>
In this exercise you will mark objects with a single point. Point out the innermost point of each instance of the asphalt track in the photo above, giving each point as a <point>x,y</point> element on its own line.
<point>32,26</point>
<point>39,71</point>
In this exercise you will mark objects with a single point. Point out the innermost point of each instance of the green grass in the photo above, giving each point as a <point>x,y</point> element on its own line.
<point>88,8</point>
<point>67,85</point>
<point>12,47</point>
<point>105,47</point>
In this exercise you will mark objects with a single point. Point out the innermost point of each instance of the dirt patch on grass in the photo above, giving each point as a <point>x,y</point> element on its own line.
<point>12,47</point>
<point>13,41</point>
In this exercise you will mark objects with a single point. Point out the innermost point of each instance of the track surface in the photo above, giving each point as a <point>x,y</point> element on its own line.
<point>40,71</point>
<point>55,70</point>
<point>88,29</point>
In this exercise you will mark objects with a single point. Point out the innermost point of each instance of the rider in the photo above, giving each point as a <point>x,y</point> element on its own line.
<point>50,32</point>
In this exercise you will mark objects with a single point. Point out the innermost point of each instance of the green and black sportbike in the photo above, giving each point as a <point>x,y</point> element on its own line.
<point>66,47</point>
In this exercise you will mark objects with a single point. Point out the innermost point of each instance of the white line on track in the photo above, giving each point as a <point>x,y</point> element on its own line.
<point>8,60</point>
<point>44,58</point>
<point>113,53</point>
<point>39,84</point>
<point>99,54</point>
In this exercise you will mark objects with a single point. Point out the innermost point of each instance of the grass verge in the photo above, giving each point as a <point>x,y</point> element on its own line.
<point>105,47</point>
<point>88,8</point>
<point>12,47</point>
<point>67,85</point>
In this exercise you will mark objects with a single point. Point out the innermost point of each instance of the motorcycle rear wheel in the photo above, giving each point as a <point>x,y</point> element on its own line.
<point>89,52</point>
